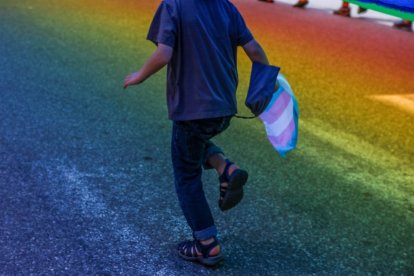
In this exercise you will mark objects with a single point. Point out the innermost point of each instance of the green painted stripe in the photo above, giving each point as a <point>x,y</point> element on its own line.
<point>379,8</point>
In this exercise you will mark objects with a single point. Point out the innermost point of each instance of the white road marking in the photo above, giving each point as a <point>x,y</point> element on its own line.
<point>404,102</point>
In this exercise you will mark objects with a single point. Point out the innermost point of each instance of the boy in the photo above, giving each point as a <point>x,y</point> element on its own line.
<point>198,40</point>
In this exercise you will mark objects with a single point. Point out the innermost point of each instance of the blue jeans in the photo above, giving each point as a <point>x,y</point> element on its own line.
<point>190,149</point>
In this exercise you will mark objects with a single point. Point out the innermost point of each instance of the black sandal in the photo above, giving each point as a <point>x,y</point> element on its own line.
<point>188,251</point>
<point>231,195</point>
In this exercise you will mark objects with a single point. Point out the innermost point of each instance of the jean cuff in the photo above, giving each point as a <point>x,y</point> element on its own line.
<point>205,234</point>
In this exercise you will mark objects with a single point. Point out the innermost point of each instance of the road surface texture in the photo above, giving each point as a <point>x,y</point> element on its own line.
<point>86,184</point>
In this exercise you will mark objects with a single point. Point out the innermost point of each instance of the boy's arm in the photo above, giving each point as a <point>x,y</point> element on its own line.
<point>255,52</point>
<point>157,60</point>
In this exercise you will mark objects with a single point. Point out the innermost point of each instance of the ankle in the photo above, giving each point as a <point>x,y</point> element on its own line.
<point>232,168</point>
<point>222,167</point>
<point>218,162</point>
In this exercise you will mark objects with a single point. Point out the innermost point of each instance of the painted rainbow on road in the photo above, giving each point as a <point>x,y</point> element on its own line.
<point>352,172</point>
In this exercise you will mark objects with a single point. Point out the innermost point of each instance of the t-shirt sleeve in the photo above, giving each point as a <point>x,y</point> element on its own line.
<point>163,28</point>
<point>243,33</point>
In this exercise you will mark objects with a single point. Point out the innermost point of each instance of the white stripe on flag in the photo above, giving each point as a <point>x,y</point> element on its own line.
<point>278,126</point>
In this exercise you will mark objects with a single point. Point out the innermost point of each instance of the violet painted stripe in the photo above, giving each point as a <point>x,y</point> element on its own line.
<point>277,109</point>
<point>284,138</point>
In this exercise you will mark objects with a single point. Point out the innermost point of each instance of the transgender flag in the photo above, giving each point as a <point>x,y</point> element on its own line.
<point>281,118</point>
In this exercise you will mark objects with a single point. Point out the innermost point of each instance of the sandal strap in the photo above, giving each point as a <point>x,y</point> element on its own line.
<point>223,191</point>
<point>189,248</point>
<point>206,249</point>
<point>224,177</point>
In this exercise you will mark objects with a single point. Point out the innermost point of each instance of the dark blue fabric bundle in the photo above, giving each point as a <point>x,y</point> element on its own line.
<point>261,87</point>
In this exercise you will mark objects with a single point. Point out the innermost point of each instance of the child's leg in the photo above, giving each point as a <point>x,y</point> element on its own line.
<point>231,178</point>
<point>189,144</point>
<point>187,153</point>
<point>216,159</point>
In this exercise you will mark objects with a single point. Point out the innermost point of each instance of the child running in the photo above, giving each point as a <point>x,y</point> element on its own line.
<point>198,40</point>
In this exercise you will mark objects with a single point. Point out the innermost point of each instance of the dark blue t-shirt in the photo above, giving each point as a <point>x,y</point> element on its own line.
<point>202,74</point>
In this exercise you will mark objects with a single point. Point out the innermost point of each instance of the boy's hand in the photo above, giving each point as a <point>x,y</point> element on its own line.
<point>132,79</point>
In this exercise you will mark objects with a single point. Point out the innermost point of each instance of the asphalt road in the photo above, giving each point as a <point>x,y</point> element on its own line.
<point>85,175</point>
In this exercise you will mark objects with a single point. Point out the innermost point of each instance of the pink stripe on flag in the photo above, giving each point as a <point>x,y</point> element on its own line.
<point>283,139</point>
<point>276,109</point>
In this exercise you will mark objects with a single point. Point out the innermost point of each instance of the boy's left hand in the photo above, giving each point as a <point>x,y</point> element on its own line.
<point>131,79</point>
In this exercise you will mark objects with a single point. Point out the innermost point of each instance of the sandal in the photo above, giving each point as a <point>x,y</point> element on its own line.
<point>190,251</point>
<point>231,195</point>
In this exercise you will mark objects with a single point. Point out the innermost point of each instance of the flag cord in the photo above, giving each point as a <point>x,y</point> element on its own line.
<point>245,117</point>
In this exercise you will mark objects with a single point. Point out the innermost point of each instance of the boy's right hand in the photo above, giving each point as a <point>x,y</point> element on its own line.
<point>132,79</point>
